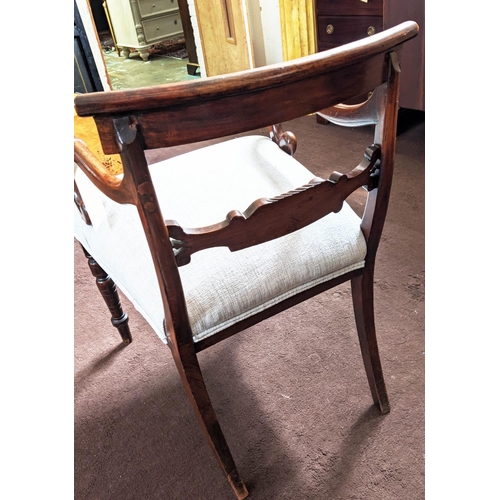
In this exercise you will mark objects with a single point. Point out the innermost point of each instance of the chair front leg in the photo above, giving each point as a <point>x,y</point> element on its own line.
<point>362,297</point>
<point>107,287</point>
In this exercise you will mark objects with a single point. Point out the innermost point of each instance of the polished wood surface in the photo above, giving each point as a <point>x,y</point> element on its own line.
<point>132,121</point>
<point>321,80</point>
<point>107,287</point>
<point>350,7</point>
<point>412,93</point>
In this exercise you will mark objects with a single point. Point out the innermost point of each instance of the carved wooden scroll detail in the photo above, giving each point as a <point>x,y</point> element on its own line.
<point>286,140</point>
<point>270,218</point>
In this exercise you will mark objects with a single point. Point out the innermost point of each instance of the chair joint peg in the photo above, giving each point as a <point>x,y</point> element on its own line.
<point>125,129</point>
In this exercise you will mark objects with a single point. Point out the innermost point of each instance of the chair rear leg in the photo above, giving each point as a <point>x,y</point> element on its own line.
<point>107,287</point>
<point>192,378</point>
<point>362,297</point>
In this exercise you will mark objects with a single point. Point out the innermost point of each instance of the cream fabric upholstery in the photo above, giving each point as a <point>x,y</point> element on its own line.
<point>221,287</point>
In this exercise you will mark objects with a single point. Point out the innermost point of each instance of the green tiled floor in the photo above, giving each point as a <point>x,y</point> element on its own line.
<point>134,72</point>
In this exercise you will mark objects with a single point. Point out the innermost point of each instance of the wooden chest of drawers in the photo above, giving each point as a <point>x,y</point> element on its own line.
<point>337,30</point>
<point>138,24</point>
<point>344,21</point>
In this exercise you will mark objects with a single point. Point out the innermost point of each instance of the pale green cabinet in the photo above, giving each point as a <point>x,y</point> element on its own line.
<point>138,24</point>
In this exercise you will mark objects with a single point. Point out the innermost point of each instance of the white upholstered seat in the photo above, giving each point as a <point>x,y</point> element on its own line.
<point>221,287</point>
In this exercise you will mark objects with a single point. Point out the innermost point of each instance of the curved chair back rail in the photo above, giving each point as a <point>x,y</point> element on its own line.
<point>250,99</point>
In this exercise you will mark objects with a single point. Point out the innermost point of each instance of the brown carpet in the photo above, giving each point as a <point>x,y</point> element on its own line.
<point>291,393</point>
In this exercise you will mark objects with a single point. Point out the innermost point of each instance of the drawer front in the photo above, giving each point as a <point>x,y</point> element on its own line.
<point>337,30</point>
<point>157,28</point>
<point>148,8</point>
<point>350,7</point>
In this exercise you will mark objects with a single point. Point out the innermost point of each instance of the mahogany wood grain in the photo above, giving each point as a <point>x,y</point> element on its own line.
<point>377,202</point>
<point>107,287</point>
<point>412,93</point>
<point>362,298</point>
<point>338,30</point>
<point>286,140</point>
<point>115,188</point>
<point>318,81</point>
<point>350,7</point>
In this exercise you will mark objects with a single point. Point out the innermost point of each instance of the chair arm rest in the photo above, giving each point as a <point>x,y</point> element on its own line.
<point>112,186</point>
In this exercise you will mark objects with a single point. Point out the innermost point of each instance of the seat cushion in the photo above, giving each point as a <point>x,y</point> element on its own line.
<point>221,287</point>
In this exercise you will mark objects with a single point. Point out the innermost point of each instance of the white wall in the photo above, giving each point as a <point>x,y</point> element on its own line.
<point>265,28</point>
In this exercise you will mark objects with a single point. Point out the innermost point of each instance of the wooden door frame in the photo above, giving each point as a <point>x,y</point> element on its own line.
<point>298,28</point>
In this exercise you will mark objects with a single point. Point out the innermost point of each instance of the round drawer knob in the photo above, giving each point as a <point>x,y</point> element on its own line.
<point>329,29</point>
<point>370,30</point>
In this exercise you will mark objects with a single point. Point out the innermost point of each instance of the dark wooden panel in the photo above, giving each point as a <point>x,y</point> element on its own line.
<point>337,30</point>
<point>350,7</point>
<point>340,14</point>
<point>413,55</point>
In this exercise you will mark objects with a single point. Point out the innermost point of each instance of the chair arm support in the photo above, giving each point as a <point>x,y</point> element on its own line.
<point>285,140</point>
<point>270,218</point>
<point>112,186</point>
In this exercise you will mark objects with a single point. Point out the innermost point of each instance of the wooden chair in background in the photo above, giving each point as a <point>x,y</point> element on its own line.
<point>213,241</point>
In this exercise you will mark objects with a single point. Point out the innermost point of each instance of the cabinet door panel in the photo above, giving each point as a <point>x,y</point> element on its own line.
<point>350,7</point>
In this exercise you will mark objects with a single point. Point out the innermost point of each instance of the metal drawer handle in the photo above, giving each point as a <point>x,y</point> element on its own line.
<point>329,29</point>
<point>371,30</point>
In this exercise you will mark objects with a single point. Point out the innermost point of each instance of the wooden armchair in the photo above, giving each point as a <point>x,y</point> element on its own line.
<point>210,242</point>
